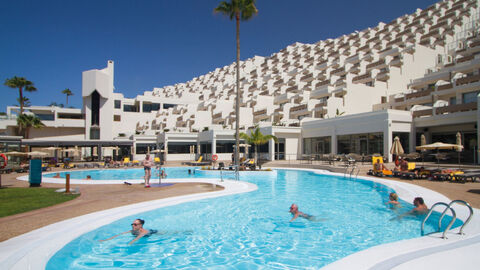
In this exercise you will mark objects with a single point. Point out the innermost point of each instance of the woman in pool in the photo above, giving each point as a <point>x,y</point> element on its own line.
<point>137,230</point>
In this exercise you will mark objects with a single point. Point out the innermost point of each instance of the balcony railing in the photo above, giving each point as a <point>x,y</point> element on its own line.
<point>306,77</point>
<point>420,113</point>
<point>298,108</point>
<point>457,108</point>
<point>362,77</point>
<point>264,111</point>
<point>322,83</point>
<point>292,89</point>
<point>217,115</point>
<point>464,59</point>
<point>338,70</point>
<point>374,64</point>
<point>418,94</point>
<point>444,87</point>
<point>467,80</point>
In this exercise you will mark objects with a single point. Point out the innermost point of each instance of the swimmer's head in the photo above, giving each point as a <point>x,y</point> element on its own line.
<point>393,196</point>
<point>418,201</point>
<point>293,207</point>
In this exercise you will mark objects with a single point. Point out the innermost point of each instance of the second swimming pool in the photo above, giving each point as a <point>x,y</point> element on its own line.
<point>252,230</point>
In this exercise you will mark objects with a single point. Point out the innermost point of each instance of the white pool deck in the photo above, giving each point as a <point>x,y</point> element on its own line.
<point>33,250</point>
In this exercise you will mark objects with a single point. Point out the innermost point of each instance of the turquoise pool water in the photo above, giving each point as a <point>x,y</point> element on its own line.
<point>252,230</point>
<point>124,174</point>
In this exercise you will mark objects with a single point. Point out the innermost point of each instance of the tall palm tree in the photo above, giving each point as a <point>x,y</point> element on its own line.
<point>68,93</point>
<point>257,138</point>
<point>22,84</point>
<point>27,121</point>
<point>240,10</point>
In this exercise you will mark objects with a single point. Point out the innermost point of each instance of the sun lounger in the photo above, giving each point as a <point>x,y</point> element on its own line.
<point>473,176</point>
<point>198,162</point>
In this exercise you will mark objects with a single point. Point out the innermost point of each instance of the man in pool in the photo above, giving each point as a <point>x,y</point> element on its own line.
<point>137,230</point>
<point>294,211</point>
<point>147,166</point>
<point>420,208</point>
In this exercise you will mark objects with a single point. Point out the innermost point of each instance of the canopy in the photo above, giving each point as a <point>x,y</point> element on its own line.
<point>37,154</point>
<point>439,145</point>
<point>15,153</point>
<point>397,148</point>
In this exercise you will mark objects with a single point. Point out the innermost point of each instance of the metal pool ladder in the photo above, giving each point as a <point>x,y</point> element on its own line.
<point>351,172</point>
<point>454,216</point>
<point>222,172</point>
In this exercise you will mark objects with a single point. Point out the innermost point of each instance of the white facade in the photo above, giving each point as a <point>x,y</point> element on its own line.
<point>416,74</point>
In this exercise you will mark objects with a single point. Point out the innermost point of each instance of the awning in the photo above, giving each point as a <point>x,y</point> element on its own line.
<point>83,143</point>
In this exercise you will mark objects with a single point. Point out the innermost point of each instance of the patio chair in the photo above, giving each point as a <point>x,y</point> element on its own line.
<point>156,160</point>
<point>379,172</point>
<point>472,176</point>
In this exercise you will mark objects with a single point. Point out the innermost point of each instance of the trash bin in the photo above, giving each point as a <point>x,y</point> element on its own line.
<point>35,174</point>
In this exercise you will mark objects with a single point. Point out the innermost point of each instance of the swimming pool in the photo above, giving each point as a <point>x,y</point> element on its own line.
<point>252,230</point>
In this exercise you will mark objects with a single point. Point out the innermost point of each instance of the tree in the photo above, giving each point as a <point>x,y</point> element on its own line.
<point>27,121</point>
<point>68,93</point>
<point>26,102</point>
<point>55,104</point>
<point>22,84</point>
<point>257,138</point>
<point>240,10</point>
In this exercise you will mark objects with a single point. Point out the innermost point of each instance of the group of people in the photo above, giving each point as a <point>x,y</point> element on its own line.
<point>420,208</point>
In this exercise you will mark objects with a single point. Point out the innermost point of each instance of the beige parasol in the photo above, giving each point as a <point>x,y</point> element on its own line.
<point>397,148</point>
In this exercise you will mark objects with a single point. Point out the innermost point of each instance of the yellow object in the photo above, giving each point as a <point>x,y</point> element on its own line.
<point>387,172</point>
<point>126,160</point>
<point>68,165</point>
<point>411,166</point>
<point>135,162</point>
<point>251,161</point>
<point>156,160</point>
<point>374,160</point>
<point>200,159</point>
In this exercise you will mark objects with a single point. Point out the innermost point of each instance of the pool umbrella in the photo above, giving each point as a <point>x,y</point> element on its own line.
<point>397,148</point>
<point>423,141</point>
<point>459,147</point>
<point>437,146</point>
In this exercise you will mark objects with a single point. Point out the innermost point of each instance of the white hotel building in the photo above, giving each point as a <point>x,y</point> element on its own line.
<point>419,74</point>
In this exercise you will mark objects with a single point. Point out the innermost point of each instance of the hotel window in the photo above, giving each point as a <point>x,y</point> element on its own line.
<point>46,117</point>
<point>452,101</point>
<point>384,100</point>
<point>166,105</point>
<point>129,108</point>
<point>469,97</point>
<point>181,147</point>
<point>117,118</point>
<point>118,104</point>
<point>225,146</point>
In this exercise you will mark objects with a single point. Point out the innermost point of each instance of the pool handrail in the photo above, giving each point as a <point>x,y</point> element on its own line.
<point>454,217</point>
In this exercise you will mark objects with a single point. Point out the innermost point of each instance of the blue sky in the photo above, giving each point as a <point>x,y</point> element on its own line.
<point>159,43</point>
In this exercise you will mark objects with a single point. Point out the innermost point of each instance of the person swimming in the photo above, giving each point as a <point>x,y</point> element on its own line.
<point>137,230</point>
<point>294,211</point>
<point>393,203</point>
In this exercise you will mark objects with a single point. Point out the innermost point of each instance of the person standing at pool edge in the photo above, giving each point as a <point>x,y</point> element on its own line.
<point>147,166</point>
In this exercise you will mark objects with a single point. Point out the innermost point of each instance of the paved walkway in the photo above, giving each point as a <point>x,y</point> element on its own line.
<point>100,197</point>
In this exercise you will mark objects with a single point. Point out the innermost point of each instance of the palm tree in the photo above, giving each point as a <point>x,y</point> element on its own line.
<point>27,121</point>
<point>22,84</point>
<point>26,102</point>
<point>257,138</point>
<point>240,10</point>
<point>68,93</point>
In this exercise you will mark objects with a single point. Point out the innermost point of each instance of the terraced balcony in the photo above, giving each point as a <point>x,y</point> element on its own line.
<point>307,78</point>
<point>362,78</point>
<point>457,108</point>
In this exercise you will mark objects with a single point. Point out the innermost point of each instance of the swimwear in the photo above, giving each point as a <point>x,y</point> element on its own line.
<point>147,168</point>
<point>150,232</point>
